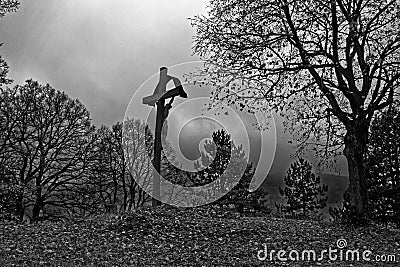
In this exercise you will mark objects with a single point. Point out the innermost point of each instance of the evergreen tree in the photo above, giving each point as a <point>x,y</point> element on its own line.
<point>240,196</point>
<point>303,190</point>
<point>213,166</point>
<point>384,166</point>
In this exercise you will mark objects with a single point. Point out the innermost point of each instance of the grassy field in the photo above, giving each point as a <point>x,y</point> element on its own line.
<point>187,237</point>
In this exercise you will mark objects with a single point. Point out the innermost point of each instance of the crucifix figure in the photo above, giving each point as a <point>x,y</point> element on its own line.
<point>159,96</point>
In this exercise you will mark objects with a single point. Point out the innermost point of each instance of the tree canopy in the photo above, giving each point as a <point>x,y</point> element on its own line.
<point>327,66</point>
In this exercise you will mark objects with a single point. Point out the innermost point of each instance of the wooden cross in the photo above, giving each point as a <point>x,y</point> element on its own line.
<point>159,96</point>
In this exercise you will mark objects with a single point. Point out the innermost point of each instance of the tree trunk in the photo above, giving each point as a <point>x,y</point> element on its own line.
<point>37,207</point>
<point>125,192</point>
<point>20,207</point>
<point>115,192</point>
<point>356,140</point>
<point>36,211</point>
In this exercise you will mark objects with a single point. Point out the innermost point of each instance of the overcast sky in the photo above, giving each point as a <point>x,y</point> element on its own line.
<point>101,51</point>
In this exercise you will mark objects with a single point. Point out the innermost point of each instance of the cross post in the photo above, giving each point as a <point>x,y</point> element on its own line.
<point>159,96</point>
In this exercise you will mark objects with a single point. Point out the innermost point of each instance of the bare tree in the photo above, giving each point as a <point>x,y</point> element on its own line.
<point>326,65</point>
<point>109,173</point>
<point>106,169</point>
<point>120,169</point>
<point>137,142</point>
<point>121,164</point>
<point>49,137</point>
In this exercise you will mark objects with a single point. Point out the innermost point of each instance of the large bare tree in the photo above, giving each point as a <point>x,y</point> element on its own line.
<point>327,65</point>
<point>48,140</point>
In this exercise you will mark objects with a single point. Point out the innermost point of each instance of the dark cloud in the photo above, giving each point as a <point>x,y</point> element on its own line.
<point>98,50</point>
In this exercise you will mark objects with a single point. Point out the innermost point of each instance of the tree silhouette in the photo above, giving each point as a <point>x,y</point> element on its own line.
<point>303,190</point>
<point>119,171</point>
<point>222,162</point>
<point>107,168</point>
<point>215,159</point>
<point>327,66</point>
<point>240,196</point>
<point>137,143</point>
<point>46,138</point>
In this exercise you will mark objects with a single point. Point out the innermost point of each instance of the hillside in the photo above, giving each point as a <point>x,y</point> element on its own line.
<point>182,237</point>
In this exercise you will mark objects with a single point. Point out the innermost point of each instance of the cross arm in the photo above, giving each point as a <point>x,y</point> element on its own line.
<point>177,91</point>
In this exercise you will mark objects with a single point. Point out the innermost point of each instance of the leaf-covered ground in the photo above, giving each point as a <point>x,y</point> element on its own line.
<point>185,237</point>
